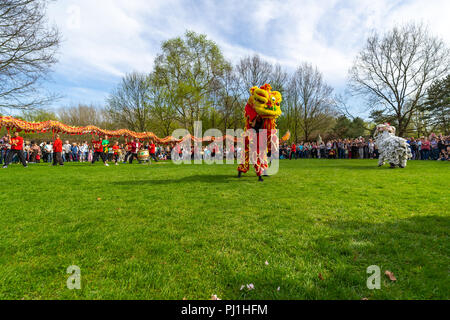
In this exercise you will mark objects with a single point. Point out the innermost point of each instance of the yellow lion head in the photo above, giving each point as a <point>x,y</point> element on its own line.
<point>267,103</point>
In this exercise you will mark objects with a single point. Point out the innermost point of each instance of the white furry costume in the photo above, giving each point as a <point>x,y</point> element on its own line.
<point>392,149</point>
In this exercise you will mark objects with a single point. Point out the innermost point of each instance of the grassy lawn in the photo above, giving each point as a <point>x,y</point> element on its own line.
<point>172,232</point>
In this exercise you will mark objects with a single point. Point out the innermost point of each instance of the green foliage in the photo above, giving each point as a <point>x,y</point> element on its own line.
<point>379,116</point>
<point>346,128</point>
<point>168,232</point>
<point>38,115</point>
<point>188,68</point>
<point>436,107</point>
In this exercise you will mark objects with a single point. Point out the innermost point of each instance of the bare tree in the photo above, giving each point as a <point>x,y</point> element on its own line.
<point>253,71</point>
<point>128,104</point>
<point>229,101</point>
<point>394,70</point>
<point>163,113</point>
<point>27,52</point>
<point>81,115</point>
<point>279,79</point>
<point>311,100</point>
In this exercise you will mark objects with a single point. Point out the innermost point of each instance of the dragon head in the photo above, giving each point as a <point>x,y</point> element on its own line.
<point>267,103</point>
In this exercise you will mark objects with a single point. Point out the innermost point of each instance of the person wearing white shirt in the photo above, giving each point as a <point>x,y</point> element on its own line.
<point>84,150</point>
<point>67,151</point>
<point>49,152</point>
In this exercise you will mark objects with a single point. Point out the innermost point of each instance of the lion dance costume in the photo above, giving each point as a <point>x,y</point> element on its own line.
<point>395,150</point>
<point>261,111</point>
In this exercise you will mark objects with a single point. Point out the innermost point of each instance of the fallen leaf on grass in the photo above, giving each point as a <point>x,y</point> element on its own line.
<point>364,299</point>
<point>98,199</point>
<point>390,275</point>
<point>267,263</point>
<point>320,276</point>
<point>214,297</point>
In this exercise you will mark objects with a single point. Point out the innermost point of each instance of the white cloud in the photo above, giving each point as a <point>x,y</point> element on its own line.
<point>117,36</point>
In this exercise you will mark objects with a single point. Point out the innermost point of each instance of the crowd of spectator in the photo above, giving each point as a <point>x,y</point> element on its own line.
<point>423,148</point>
<point>43,151</point>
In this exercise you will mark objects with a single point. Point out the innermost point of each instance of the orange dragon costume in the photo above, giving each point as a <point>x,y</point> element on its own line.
<point>261,112</point>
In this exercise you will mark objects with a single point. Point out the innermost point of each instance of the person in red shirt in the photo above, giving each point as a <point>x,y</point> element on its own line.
<point>132,149</point>
<point>128,147</point>
<point>98,151</point>
<point>116,152</point>
<point>425,149</point>
<point>16,148</point>
<point>57,151</point>
<point>152,150</point>
<point>293,151</point>
<point>135,146</point>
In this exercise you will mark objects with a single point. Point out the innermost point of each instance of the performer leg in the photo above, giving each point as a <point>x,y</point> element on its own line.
<point>95,157</point>
<point>244,166</point>
<point>104,158</point>
<point>59,158</point>
<point>8,158</point>
<point>22,157</point>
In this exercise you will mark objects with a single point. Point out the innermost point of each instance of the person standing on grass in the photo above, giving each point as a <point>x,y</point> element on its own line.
<point>413,147</point>
<point>361,148</point>
<point>48,148</point>
<point>16,149</point>
<point>74,152</point>
<point>419,148</point>
<point>134,150</point>
<point>35,152</point>
<point>90,155</point>
<point>293,150</point>
<point>116,150</point>
<point>98,152</point>
<point>84,149</point>
<point>426,146</point>
<point>434,149</point>
<point>67,151</point>
<point>152,150</point>
<point>57,151</point>
<point>105,145</point>
<point>4,143</point>
<point>128,149</point>
<point>371,147</point>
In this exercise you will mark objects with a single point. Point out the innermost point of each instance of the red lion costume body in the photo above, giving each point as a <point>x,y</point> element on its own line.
<point>261,111</point>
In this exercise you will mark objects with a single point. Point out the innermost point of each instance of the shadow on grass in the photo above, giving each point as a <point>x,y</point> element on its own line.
<point>415,249</point>
<point>347,167</point>
<point>210,178</point>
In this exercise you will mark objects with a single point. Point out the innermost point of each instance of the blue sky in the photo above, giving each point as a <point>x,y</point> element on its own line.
<point>105,39</point>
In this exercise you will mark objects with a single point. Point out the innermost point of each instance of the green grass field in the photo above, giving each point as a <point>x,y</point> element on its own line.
<point>172,232</point>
